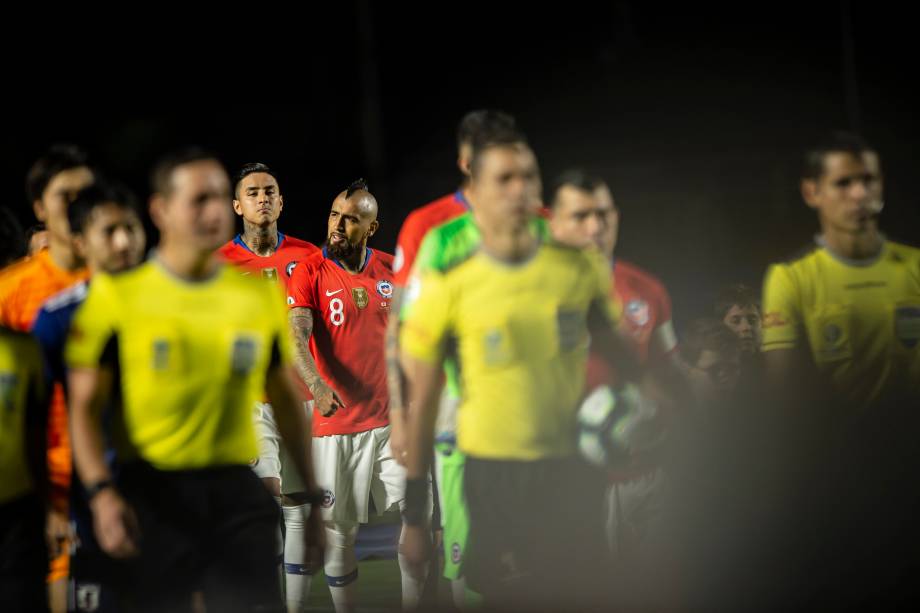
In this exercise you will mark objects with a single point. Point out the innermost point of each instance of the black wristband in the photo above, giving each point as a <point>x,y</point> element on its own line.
<point>416,501</point>
<point>312,497</point>
<point>94,488</point>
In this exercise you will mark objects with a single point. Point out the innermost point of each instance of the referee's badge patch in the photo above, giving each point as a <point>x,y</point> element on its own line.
<point>244,355</point>
<point>160,354</point>
<point>907,325</point>
<point>359,294</point>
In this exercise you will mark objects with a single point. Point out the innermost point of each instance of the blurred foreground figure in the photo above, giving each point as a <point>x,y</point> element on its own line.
<point>188,346</point>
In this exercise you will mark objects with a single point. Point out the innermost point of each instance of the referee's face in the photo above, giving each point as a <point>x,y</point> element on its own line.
<point>506,189</point>
<point>197,211</point>
<point>848,193</point>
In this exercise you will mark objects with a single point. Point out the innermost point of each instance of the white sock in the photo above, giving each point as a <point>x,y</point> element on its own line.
<point>297,579</point>
<point>341,566</point>
<point>458,591</point>
<point>411,587</point>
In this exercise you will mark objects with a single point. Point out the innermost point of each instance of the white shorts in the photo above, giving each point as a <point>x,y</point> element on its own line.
<point>351,468</point>
<point>268,464</point>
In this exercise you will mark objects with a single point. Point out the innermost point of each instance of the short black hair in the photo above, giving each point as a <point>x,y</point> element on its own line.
<point>57,159</point>
<point>248,169</point>
<point>80,211</point>
<point>13,244</point>
<point>356,186</point>
<point>482,120</point>
<point>835,142</point>
<point>495,136</point>
<point>735,294</point>
<point>161,177</point>
<point>707,334</point>
<point>577,178</point>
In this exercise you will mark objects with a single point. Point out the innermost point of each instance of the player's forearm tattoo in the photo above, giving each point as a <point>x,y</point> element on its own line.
<point>394,372</point>
<point>301,320</point>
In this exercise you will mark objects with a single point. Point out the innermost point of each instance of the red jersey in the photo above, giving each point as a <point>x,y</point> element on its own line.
<point>349,323</point>
<point>278,265</point>
<point>417,225</point>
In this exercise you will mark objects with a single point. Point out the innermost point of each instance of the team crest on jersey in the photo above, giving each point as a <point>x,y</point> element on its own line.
<point>907,325</point>
<point>289,269</point>
<point>638,312</point>
<point>570,325</point>
<point>270,273</point>
<point>385,289</point>
<point>328,499</point>
<point>359,294</point>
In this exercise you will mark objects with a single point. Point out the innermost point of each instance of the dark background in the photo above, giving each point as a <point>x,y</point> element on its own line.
<point>696,115</point>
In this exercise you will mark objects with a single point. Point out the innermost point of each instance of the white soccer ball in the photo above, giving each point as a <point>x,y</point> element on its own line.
<point>610,425</point>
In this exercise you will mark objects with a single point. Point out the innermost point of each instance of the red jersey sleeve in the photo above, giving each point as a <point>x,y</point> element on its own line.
<point>407,245</point>
<point>302,287</point>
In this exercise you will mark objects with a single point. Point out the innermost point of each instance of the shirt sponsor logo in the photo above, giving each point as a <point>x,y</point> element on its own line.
<point>773,320</point>
<point>638,312</point>
<point>907,325</point>
<point>360,296</point>
<point>289,269</point>
<point>385,289</point>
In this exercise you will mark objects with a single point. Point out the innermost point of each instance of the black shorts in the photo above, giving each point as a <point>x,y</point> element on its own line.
<point>23,556</point>
<point>536,534</point>
<point>211,529</point>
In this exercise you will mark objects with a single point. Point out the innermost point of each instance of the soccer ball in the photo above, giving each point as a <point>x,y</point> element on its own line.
<point>610,425</point>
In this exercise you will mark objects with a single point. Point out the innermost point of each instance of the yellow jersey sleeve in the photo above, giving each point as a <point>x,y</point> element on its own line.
<point>782,323</point>
<point>93,325</point>
<point>428,319</point>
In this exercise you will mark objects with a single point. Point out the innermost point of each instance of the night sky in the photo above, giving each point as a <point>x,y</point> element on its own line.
<point>696,116</point>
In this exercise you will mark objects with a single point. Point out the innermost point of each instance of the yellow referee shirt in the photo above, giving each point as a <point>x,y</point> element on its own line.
<point>192,358</point>
<point>859,320</point>
<point>521,340</point>
<point>21,392</point>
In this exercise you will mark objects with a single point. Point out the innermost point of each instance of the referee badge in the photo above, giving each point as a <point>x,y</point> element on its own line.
<point>244,355</point>
<point>359,294</point>
<point>907,325</point>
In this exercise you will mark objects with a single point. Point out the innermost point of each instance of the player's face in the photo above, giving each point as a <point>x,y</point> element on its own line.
<point>584,219</point>
<point>848,195</point>
<point>60,192</point>
<point>258,199</point>
<point>350,226</point>
<point>722,368</point>
<point>113,240</point>
<point>744,321</point>
<point>195,212</point>
<point>506,190</point>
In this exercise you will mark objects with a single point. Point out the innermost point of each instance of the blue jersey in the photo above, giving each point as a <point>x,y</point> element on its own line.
<point>52,325</point>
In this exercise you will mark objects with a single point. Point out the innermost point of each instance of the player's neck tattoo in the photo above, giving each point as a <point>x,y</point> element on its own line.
<point>262,241</point>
